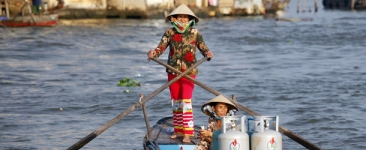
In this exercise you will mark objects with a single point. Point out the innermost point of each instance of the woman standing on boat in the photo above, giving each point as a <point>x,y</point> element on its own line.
<point>215,109</point>
<point>182,40</point>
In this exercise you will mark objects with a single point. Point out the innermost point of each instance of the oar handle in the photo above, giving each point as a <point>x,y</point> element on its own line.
<point>283,130</point>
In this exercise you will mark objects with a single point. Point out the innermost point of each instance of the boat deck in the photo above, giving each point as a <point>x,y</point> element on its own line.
<point>160,137</point>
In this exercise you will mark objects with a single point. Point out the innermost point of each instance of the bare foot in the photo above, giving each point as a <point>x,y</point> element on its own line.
<point>186,139</point>
<point>173,136</point>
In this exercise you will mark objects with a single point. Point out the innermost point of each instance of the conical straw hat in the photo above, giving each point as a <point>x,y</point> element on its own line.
<point>183,10</point>
<point>220,99</point>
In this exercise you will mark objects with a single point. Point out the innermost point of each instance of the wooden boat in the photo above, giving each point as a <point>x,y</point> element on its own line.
<point>48,20</point>
<point>25,19</point>
<point>160,137</point>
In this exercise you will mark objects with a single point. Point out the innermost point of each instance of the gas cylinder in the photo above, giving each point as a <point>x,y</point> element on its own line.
<point>266,135</point>
<point>231,137</point>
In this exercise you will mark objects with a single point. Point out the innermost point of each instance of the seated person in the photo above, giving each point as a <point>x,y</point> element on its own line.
<point>215,109</point>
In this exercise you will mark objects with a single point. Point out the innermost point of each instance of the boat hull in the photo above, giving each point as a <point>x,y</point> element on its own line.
<point>28,21</point>
<point>29,24</point>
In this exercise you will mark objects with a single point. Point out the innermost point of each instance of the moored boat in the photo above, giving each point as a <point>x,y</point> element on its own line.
<point>26,19</point>
<point>48,20</point>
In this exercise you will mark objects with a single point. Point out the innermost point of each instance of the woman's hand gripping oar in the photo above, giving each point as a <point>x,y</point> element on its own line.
<point>283,130</point>
<point>99,131</point>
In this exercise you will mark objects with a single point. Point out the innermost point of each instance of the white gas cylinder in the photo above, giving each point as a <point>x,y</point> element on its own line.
<point>266,137</point>
<point>232,138</point>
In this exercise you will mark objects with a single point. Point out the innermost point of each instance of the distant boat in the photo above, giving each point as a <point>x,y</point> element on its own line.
<point>47,20</point>
<point>22,19</point>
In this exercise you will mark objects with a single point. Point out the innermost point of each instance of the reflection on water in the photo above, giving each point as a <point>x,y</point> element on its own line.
<point>309,73</point>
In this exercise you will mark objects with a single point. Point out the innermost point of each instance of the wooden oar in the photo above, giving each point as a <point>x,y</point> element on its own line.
<point>283,130</point>
<point>99,131</point>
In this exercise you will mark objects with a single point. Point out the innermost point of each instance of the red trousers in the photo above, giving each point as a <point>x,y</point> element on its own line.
<point>181,94</point>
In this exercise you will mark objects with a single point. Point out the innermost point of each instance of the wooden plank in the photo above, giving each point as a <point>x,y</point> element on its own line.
<point>164,136</point>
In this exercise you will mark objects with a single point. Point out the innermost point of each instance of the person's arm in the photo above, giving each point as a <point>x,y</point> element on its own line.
<point>210,127</point>
<point>208,137</point>
<point>164,43</point>
<point>202,47</point>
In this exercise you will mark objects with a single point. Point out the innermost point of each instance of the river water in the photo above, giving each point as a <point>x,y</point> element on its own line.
<point>310,73</point>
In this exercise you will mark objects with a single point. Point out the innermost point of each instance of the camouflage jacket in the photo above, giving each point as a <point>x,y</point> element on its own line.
<point>182,48</point>
<point>203,144</point>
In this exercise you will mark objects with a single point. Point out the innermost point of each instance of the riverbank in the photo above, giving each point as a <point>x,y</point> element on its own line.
<point>152,13</point>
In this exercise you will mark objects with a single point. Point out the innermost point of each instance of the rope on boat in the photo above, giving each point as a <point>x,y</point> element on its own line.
<point>283,130</point>
<point>100,130</point>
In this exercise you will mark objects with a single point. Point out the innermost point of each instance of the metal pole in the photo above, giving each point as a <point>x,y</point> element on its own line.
<point>7,9</point>
<point>352,6</point>
<point>316,5</point>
